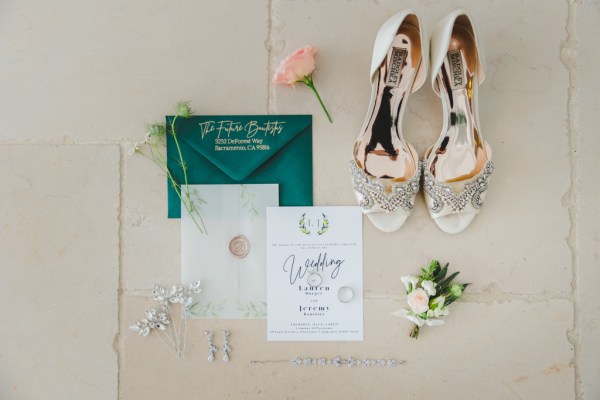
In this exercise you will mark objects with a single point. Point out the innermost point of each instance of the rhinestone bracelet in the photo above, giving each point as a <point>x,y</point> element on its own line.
<point>336,362</point>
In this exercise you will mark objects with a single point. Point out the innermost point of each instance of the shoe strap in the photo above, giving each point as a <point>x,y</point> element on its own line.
<point>386,35</point>
<point>440,40</point>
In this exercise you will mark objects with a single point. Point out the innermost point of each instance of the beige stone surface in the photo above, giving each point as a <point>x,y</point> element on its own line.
<point>511,362</point>
<point>99,70</point>
<point>59,246</point>
<point>151,249</point>
<point>84,233</point>
<point>586,196</point>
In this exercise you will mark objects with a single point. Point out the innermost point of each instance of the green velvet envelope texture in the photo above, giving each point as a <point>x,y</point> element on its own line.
<point>238,149</point>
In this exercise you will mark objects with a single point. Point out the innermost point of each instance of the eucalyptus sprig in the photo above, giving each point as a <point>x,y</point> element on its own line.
<point>429,296</point>
<point>153,146</point>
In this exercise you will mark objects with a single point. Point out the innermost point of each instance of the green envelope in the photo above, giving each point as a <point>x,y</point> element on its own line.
<point>235,149</point>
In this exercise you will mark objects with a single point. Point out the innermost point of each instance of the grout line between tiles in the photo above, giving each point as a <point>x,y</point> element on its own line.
<point>480,298</point>
<point>120,296</point>
<point>568,54</point>
<point>484,298</point>
<point>269,47</point>
<point>74,142</point>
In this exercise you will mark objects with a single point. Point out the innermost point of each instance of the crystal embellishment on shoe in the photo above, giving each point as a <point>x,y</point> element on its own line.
<point>402,194</point>
<point>443,195</point>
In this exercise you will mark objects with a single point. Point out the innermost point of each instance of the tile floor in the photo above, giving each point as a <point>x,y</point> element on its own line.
<point>83,233</point>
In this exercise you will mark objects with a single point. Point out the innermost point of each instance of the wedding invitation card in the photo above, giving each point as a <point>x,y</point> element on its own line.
<point>314,274</point>
<point>229,258</point>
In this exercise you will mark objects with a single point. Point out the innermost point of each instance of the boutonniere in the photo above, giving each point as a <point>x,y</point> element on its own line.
<point>429,295</point>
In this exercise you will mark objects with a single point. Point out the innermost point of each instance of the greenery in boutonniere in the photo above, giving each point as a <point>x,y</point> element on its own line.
<point>152,148</point>
<point>429,296</point>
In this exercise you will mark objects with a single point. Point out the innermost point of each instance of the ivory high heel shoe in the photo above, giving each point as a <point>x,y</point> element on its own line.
<point>458,166</point>
<point>385,169</point>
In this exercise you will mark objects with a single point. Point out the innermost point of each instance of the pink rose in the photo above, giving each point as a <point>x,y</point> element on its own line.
<point>295,67</point>
<point>298,67</point>
<point>418,301</point>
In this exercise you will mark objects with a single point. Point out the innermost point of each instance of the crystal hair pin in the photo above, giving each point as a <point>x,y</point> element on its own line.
<point>161,318</point>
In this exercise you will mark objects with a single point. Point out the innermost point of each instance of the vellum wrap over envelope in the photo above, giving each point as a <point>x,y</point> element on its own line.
<point>233,282</point>
<point>244,149</point>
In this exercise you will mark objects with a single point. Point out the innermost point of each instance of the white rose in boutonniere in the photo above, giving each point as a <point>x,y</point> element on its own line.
<point>429,287</point>
<point>410,282</point>
<point>441,312</point>
<point>418,300</point>
<point>429,296</point>
<point>438,302</point>
<point>437,306</point>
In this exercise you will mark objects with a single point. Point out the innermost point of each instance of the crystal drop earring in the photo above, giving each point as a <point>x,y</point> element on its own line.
<point>226,348</point>
<point>212,349</point>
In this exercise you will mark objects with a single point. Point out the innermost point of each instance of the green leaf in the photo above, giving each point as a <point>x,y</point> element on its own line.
<point>449,300</point>
<point>446,282</point>
<point>442,273</point>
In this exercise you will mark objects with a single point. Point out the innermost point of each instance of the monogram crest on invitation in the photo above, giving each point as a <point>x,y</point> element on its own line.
<point>307,226</point>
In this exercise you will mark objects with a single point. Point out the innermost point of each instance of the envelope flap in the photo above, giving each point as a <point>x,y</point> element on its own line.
<point>239,145</point>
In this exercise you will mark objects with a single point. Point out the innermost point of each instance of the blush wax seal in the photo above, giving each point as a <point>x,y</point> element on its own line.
<point>239,246</point>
